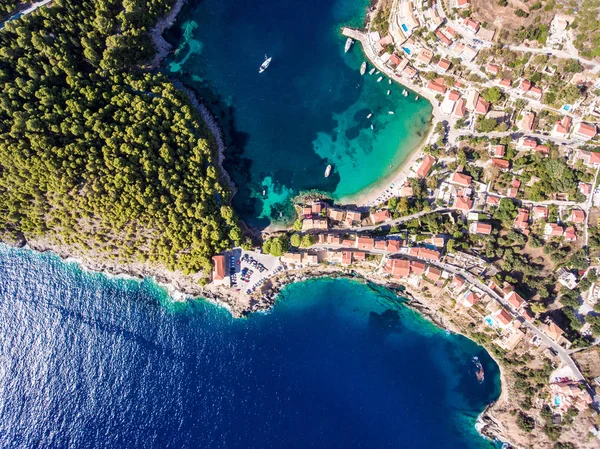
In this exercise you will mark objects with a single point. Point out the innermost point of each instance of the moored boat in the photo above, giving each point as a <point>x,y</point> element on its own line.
<point>372,71</point>
<point>405,92</point>
<point>389,81</point>
<point>416,98</point>
<point>391,112</point>
<point>379,79</point>
<point>389,91</point>
<point>370,115</point>
<point>363,67</point>
<point>349,43</point>
<point>265,64</point>
<point>328,171</point>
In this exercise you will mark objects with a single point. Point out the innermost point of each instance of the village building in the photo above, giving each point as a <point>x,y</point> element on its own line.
<point>471,24</point>
<point>562,127</point>
<point>498,150</point>
<point>460,108</point>
<point>219,272</point>
<point>444,65</point>
<point>584,131</point>
<point>472,97</point>
<point>457,282</point>
<point>577,216</point>
<point>540,212</point>
<point>463,3</point>
<point>380,216</point>
<point>570,234</point>
<point>589,158</point>
<point>353,217</point>
<point>393,246</point>
<point>522,220</point>
<point>505,82</point>
<point>528,121</point>
<point>443,38</point>
<point>336,214</point>
<point>429,254</point>
<point>515,300</point>
<point>502,164</point>
<point>585,188</point>
<point>482,107</point>
<point>469,299</point>
<point>525,85</point>
<point>425,166</point>
<point>552,330</point>
<point>436,87</point>
<point>478,227</point>
<point>461,179</point>
<point>502,318</point>
<point>425,55</point>
<point>553,230</point>
<point>527,143</point>
<point>566,278</point>
<point>463,203</point>
<point>365,243</point>
<point>433,274</point>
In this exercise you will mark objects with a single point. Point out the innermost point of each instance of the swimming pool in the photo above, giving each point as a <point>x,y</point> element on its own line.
<point>489,321</point>
<point>406,50</point>
<point>404,27</point>
<point>567,107</point>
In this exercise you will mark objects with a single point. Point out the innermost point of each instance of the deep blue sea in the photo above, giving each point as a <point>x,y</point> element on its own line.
<point>93,362</point>
<point>307,110</point>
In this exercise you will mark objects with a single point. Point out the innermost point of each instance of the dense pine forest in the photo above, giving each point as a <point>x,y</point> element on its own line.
<point>97,154</point>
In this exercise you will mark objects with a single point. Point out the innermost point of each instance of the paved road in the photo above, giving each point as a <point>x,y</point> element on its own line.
<point>25,11</point>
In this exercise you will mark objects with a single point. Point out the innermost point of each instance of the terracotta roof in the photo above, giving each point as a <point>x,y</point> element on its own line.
<point>380,244</point>
<point>425,166</point>
<point>525,85</point>
<point>444,64</point>
<point>219,267</point>
<point>472,24</point>
<point>461,179</point>
<point>453,95</point>
<point>536,90</point>
<point>514,300</point>
<point>395,60</point>
<point>502,163</point>
<point>499,150</point>
<point>458,281</point>
<point>542,149</point>
<point>425,55</point>
<point>493,68</point>
<point>585,188</point>
<point>417,268</point>
<point>528,121</point>
<point>381,216</point>
<point>529,143</point>
<point>482,228</point>
<point>553,230</point>
<point>482,106</point>
<point>505,82</point>
<point>493,200</point>
<point>432,85</point>
<point>577,216</point>
<point>442,37</point>
<point>470,298</point>
<point>430,254</point>
<point>365,243</point>
<point>540,212</point>
<point>359,255</point>
<point>393,246</point>
<point>460,108</point>
<point>585,129</point>
<point>504,316</point>
<point>563,126</point>
<point>570,234</point>
<point>463,203</point>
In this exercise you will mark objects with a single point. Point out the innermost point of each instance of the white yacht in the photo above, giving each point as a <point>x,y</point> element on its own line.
<point>363,67</point>
<point>265,64</point>
<point>328,171</point>
<point>379,79</point>
<point>349,43</point>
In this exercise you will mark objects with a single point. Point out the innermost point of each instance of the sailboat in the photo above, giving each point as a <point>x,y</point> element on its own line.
<point>265,64</point>
<point>363,67</point>
<point>328,171</point>
<point>349,43</point>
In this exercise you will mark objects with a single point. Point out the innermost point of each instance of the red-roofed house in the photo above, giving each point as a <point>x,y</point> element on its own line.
<point>525,85</point>
<point>219,267</point>
<point>433,274</point>
<point>463,203</point>
<point>514,300</point>
<point>498,150</point>
<point>570,234</point>
<point>542,149</point>
<point>346,257</point>
<point>440,88</point>
<point>393,246</point>
<point>589,158</point>
<point>417,268</point>
<point>443,38</point>
<point>461,179</point>
<point>471,24</point>
<point>469,299</point>
<point>553,230</point>
<point>458,281</point>
<point>366,243</point>
<point>493,200</point>
<point>540,212</point>
<point>425,166</point>
<point>453,95</point>
<point>502,318</point>
<point>478,227</point>
<point>585,188</point>
<point>522,220</point>
<point>444,64</point>
<point>359,256</point>
<point>429,254</point>
<point>527,122</point>
<point>482,107</point>
<point>380,245</point>
<point>501,163</point>
<point>535,92</point>
<point>394,61</point>
<point>577,216</point>
<point>493,69</point>
<point>425,55</point>
<point>463,3</point>
<point>562,127</point>
<point>584,131</point>
<point>505,82</point>
<point>380,216</point>
<point>460,109</point>
<point>528,144</point>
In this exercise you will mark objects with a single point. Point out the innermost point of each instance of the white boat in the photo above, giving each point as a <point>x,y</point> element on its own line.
<point>371,126</point>
<point>389,81</point>
<point>265,64</point>
<point>372,71</point>
<point>389,92</point>
<point>405,92</point>
<point>416,98</point>
<point>378,72</point>
<point>370,115</point>
<point>379,79</point>
<point>363,67</point>
<point>391,112</point>
<point>328,171</point>
<point>349,43</point>
<point>264,192</point>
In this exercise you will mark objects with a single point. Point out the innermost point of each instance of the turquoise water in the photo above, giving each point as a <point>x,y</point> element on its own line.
<point>88,361</point>
<point>307,110</point>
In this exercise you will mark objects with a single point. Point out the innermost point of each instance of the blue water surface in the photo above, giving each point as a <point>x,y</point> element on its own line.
<point>92,362</point>
<point>309,109</point>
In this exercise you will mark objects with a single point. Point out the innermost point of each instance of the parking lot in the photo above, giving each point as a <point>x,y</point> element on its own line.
<point>249,270</point>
